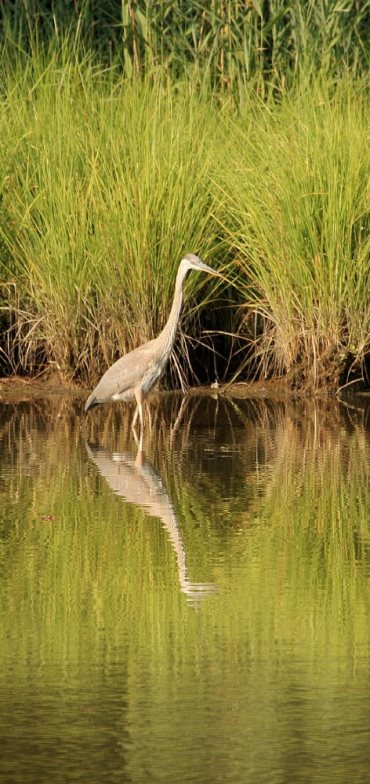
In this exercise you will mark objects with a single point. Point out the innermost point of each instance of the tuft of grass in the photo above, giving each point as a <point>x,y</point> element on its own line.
<point>295,193</point>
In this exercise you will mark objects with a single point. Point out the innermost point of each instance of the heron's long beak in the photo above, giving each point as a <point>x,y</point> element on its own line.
<point>202,266</point>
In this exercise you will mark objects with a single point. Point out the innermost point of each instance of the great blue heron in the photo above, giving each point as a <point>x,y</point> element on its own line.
<point>134,374</point>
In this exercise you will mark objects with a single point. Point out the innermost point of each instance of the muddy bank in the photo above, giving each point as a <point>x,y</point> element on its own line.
<point>52,385</point>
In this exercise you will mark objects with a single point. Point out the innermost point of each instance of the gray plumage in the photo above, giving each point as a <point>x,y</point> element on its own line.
<point>136,373</point>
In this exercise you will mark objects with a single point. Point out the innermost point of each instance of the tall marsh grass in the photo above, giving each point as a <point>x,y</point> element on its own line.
<point>227,41</point>
<point>106,182</point>
<point>105,187</point>
<point>296,195</point>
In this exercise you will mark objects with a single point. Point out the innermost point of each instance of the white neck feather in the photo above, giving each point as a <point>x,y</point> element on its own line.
<point>168,334</point>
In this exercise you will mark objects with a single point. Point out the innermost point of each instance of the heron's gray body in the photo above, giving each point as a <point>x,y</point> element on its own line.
<point>136,373</point>
<point>120,380</point>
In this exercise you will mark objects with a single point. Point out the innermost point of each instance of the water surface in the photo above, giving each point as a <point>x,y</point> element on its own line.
<point>197,613</point>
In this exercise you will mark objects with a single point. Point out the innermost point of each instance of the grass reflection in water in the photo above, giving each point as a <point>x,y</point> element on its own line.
<point>266,678</point>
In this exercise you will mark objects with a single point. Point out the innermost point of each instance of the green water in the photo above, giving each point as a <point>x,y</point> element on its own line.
<point>197,614</point>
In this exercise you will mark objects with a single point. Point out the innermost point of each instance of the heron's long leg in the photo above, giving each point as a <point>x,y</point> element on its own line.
<point>133,423</point>
<point>150,416</point>
<point>140,448</point>
<point>141,416</point>
<point>139,409</point>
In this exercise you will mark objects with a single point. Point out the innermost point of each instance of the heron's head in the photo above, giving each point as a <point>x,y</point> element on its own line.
<point>194,262</point>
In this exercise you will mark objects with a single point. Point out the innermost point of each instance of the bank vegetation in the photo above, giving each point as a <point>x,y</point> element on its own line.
<point>114,162</point>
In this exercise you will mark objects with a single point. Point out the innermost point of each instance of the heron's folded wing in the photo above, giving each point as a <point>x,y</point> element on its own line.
<point>128,371</point>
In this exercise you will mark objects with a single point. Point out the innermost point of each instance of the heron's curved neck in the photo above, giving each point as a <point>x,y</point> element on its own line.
<point>168,333</point>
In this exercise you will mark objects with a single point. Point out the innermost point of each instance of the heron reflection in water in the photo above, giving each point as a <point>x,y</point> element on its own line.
<point>136,373</point>
<point>137,481</point>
